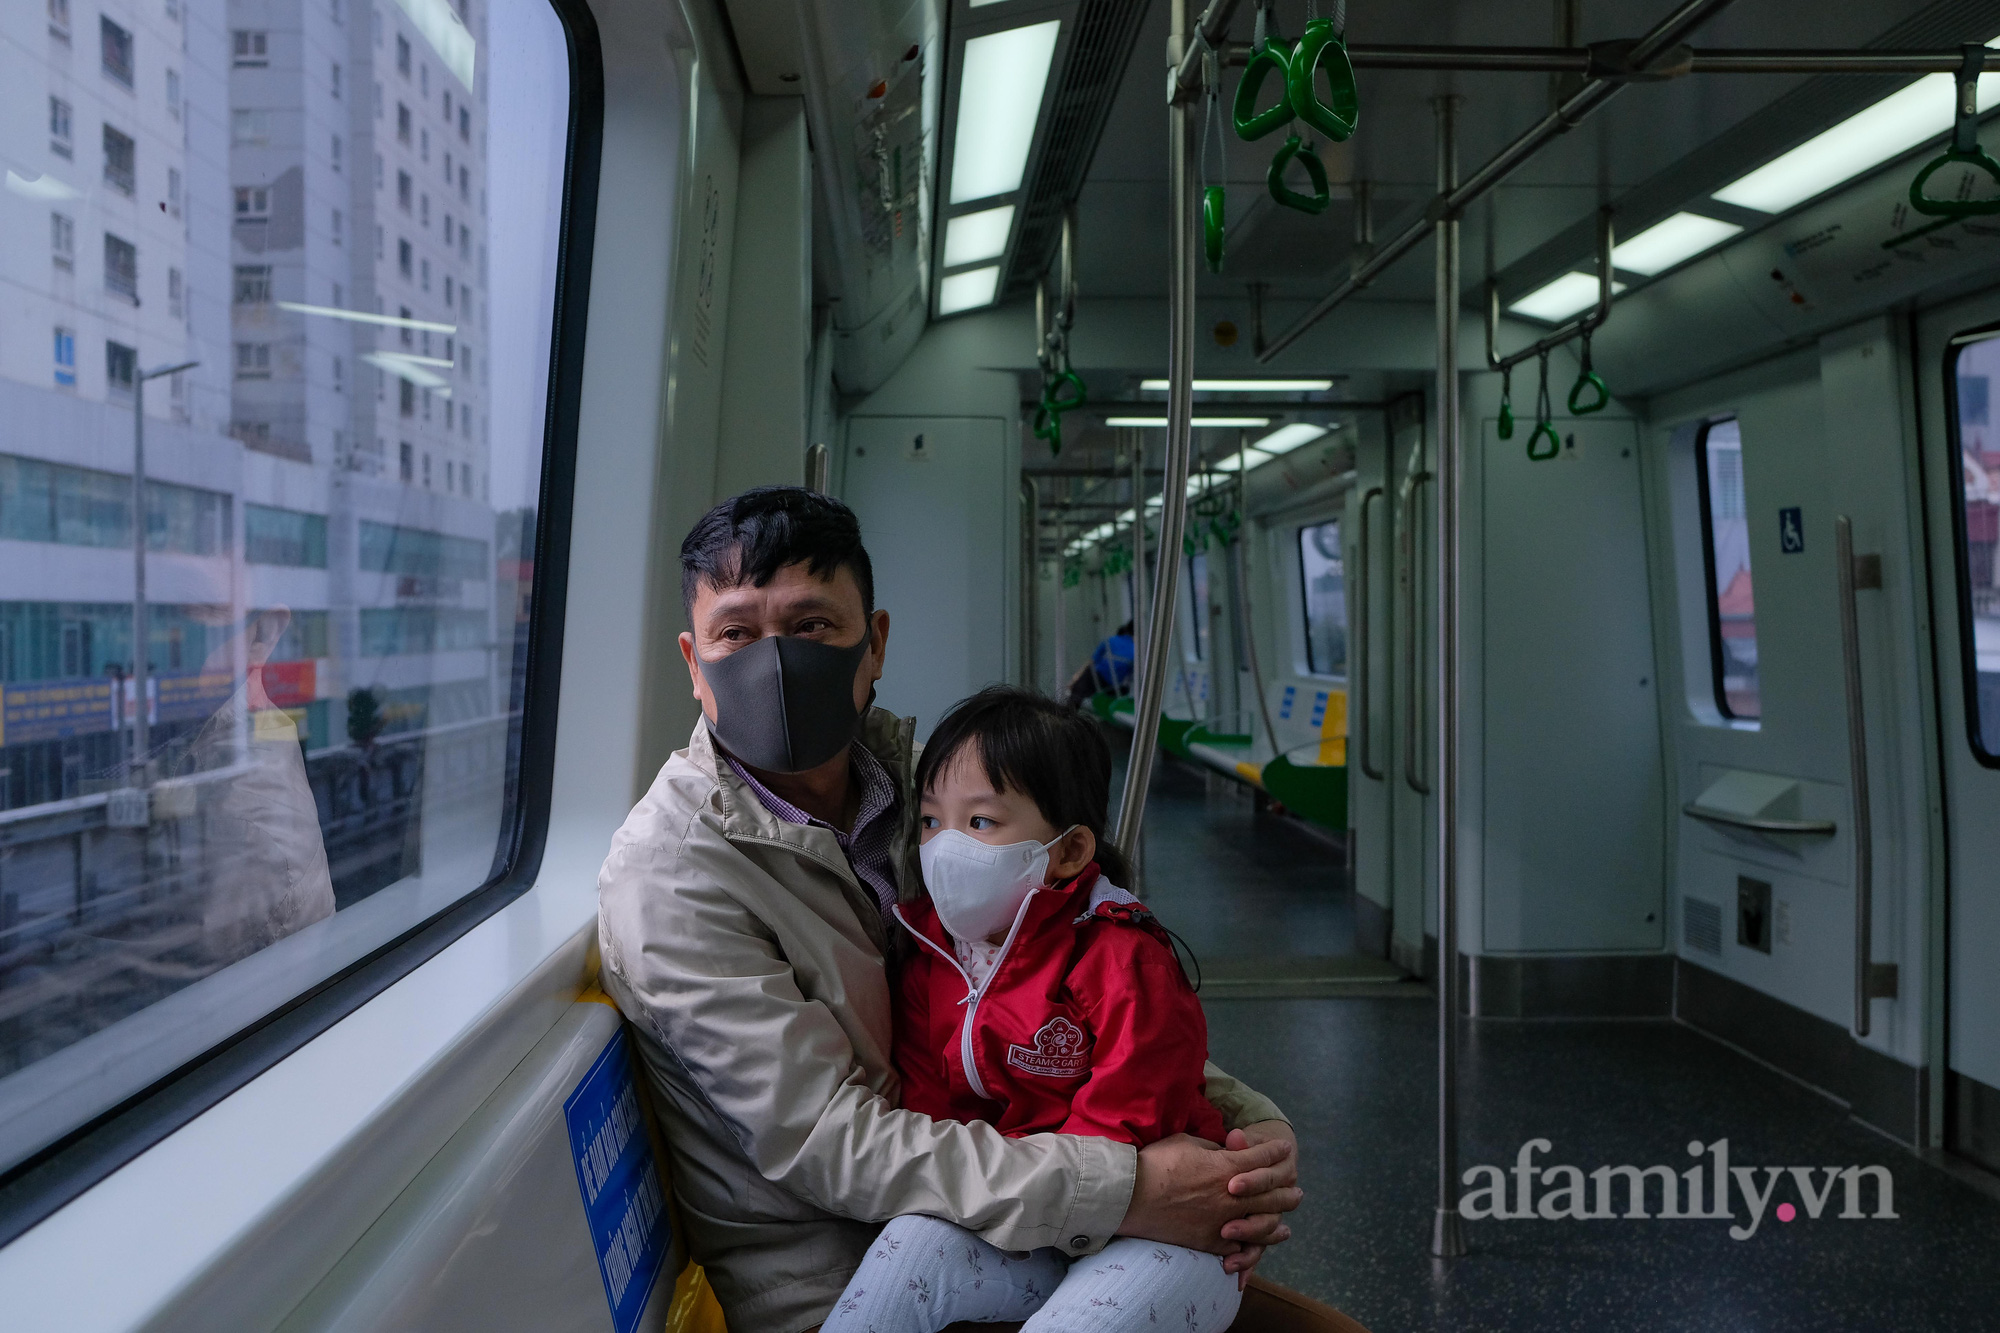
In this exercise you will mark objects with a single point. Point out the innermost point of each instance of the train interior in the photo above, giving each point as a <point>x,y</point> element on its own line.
<point>1413,423</point>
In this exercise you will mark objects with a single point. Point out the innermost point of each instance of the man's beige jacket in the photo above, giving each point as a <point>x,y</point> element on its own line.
<point>751,961</point>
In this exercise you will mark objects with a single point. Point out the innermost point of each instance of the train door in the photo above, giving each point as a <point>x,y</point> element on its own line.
<point>1957,367</point>
<point>1372,595</point>
<point>1802,854</point>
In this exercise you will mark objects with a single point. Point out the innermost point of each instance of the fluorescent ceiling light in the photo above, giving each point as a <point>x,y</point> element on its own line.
<point>1200,423</point>
<point>1562,298</point>
<point>999,100</point>
<point>406,367</point>
<point>965,291</point>
<point>1890,128</point>
<point>37,187</point>
<point>1251,458</point>
<point>1287,438</point>
<point>1665,244</point>
<point>1244,386</point>
<point>366,317</point>
<point>971,237</point>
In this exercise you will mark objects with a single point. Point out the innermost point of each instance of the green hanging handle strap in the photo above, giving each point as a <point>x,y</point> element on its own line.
<point>1314,203</point>
<point>1964,149</point>
<point>1212,227</point>
<point>1544,443</point>
<point>1268,52</point>
<point>1058,403</point>
<point>1321,46</point>
<point>1506,430</point>
<point>1588,379</point>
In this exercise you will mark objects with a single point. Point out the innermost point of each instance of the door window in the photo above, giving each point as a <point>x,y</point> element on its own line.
<point>1732,605</point>
<point>1325,591</point>
<point>1974,366</point>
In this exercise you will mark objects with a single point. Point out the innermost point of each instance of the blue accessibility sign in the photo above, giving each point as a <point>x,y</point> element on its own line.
<point>620,1182</point>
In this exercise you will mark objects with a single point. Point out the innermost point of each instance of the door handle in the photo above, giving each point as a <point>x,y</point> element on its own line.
<point>1872,980</point>
<point>1366,638</point>
<point>1413,714</point>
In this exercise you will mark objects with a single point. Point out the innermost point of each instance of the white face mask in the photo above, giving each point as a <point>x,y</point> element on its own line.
<point>978,888</point>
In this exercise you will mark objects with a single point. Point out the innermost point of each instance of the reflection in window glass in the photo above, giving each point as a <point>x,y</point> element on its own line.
<point>1732,607</point>
<point>1978,365</point>
<point>1325,598</point>
<point>305,742</point>
<point>1197,576</point>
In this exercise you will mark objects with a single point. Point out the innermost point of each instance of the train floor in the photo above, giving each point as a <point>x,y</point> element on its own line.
<point>1357,1073</point>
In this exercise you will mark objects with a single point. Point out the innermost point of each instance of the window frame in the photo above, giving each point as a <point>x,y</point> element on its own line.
<point>46,1180</point>
<point>1711,595</point>
<point>1305,657</point>
<point>1961,544</point>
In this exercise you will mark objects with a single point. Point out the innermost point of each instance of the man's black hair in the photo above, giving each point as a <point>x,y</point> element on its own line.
<point>1029,743</point>
<point>748,538</point>
<point>1126,629</point>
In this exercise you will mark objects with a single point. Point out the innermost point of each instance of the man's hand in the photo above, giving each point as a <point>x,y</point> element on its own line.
<point>1258,1231</point>
<point>1190,1193</point>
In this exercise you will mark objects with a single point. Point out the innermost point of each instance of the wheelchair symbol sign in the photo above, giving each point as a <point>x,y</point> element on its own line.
<point>1791,532</point>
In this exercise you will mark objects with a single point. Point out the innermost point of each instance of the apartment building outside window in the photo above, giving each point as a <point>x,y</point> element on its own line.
<point>120,161</point>
<point>65,357</point>
<point>252,49</point>
<point>59,20</point>
<point>253,361</point>
<point>402,55</point>
<point>403,190</point>
<point>121,365</point>
<point>117,48</point>
<point>175,297</point>
<point>174,93</point>
<point>402,122</point>
<point>121,268</point>
<point>62,240</point>
<point>253,284</point>
<point>253,203</point>
<point>404,258</point>
<point>60,142</point>
<point>174,191</point>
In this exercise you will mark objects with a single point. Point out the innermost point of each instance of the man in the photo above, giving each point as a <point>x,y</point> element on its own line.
<point>743,932</point>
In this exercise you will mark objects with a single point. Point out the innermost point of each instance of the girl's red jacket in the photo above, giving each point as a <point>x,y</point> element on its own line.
<point>1086,1024</point>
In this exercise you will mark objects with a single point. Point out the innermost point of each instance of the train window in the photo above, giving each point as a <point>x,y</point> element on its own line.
<point>1732,608</point>
<point>1325,594</point>
<point>1973,370</point>
<point>1197,583</point>
<point>262,694</point>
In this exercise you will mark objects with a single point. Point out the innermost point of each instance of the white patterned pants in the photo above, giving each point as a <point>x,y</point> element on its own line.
<point>922,1274</point>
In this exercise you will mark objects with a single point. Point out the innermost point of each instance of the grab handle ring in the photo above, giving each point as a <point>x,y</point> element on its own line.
<point>1544,430</point>
<point>1955,208</point>
<point>1060,404</point>
<point>1335,117</point>
<point>1252,124</point>
<point>1589,379</point>
<point>1315,202</point>
<point>1212,229</point>
<point>1506,427</point>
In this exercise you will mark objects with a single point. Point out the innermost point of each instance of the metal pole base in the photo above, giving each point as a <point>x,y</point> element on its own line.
<point>1447,1235</point>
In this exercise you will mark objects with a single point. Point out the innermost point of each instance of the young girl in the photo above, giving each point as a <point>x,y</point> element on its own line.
<point>1039,997</point>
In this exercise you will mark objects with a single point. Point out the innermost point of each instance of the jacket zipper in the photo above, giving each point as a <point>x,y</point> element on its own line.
<point>974,994</point>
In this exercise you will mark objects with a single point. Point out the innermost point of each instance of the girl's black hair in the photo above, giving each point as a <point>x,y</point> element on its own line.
<point>1028,742</point>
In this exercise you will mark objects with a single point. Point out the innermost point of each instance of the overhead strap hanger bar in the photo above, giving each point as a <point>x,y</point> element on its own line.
<point>1608,60</point>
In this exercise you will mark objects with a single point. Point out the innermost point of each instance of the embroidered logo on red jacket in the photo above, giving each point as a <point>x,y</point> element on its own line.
<point>1060,1051</point>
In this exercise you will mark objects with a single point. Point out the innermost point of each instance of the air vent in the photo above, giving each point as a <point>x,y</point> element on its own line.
<point>1106,31</point>
<point>1701,925</point>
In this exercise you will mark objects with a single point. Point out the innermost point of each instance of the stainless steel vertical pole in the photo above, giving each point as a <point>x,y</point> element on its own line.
<point>141,737</point>
<point>1447,1239</point>
<point>1182,138</point>
<point>1137,440</point>
<point>1031,581</point>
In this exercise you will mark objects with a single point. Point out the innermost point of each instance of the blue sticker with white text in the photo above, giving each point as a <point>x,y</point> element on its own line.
<point>620,1183</point>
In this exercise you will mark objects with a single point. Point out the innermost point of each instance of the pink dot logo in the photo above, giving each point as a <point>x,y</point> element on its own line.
<point>1786,1212</point>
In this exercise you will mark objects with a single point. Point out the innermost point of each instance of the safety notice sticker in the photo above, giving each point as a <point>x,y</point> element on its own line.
<point>615,1170</point>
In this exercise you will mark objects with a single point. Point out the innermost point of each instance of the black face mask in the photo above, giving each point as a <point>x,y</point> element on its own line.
<point>785,704</point>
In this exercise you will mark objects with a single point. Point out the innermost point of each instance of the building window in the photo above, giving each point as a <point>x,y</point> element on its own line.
<point>448,176</point>
<point>407,397</point>
<point>465,244</point>
<point>464,185</point>
<point>174,191</point>
<point>334,80</point>
<point>253,284</point>
<point>406,461</point>
<point>175,305</point>
<point>60,142</point>
<point>121,367</point>
<point>336,226</point>
<point>427,469</point>
<point>62,240</point>
<point>117,44</point>
<point>424,267</point>
<point>402,55</point>
<point>120,161</point>
<point>449,290</point>
<point>59,20</point>
<point>423,145</point>
<point>1324,590</point>
<point>335,151</point>
<point>402,122</point>
<point>121,268</point>
<point>409,338</point>
<point>424,80</point>
<point>1732,609</point>
<point>404,257</point>
<point>253,361</point>
<point>174,93</point>
<point>252,49</point>
<point>465,124</point>
<point>424,211</point>
<point>65,357</point>
<point>403,190</point>
<point>274,536</point>
<point>253,203</point>
<point>1974,367</point>
<point>339,375</point>
<point>249,128</point>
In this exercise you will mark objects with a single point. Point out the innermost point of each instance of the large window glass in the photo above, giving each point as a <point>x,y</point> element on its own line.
<point>1973,372</point>
<point>245,751</point>
<point>1732,605</point>
<point>1325,588</point>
